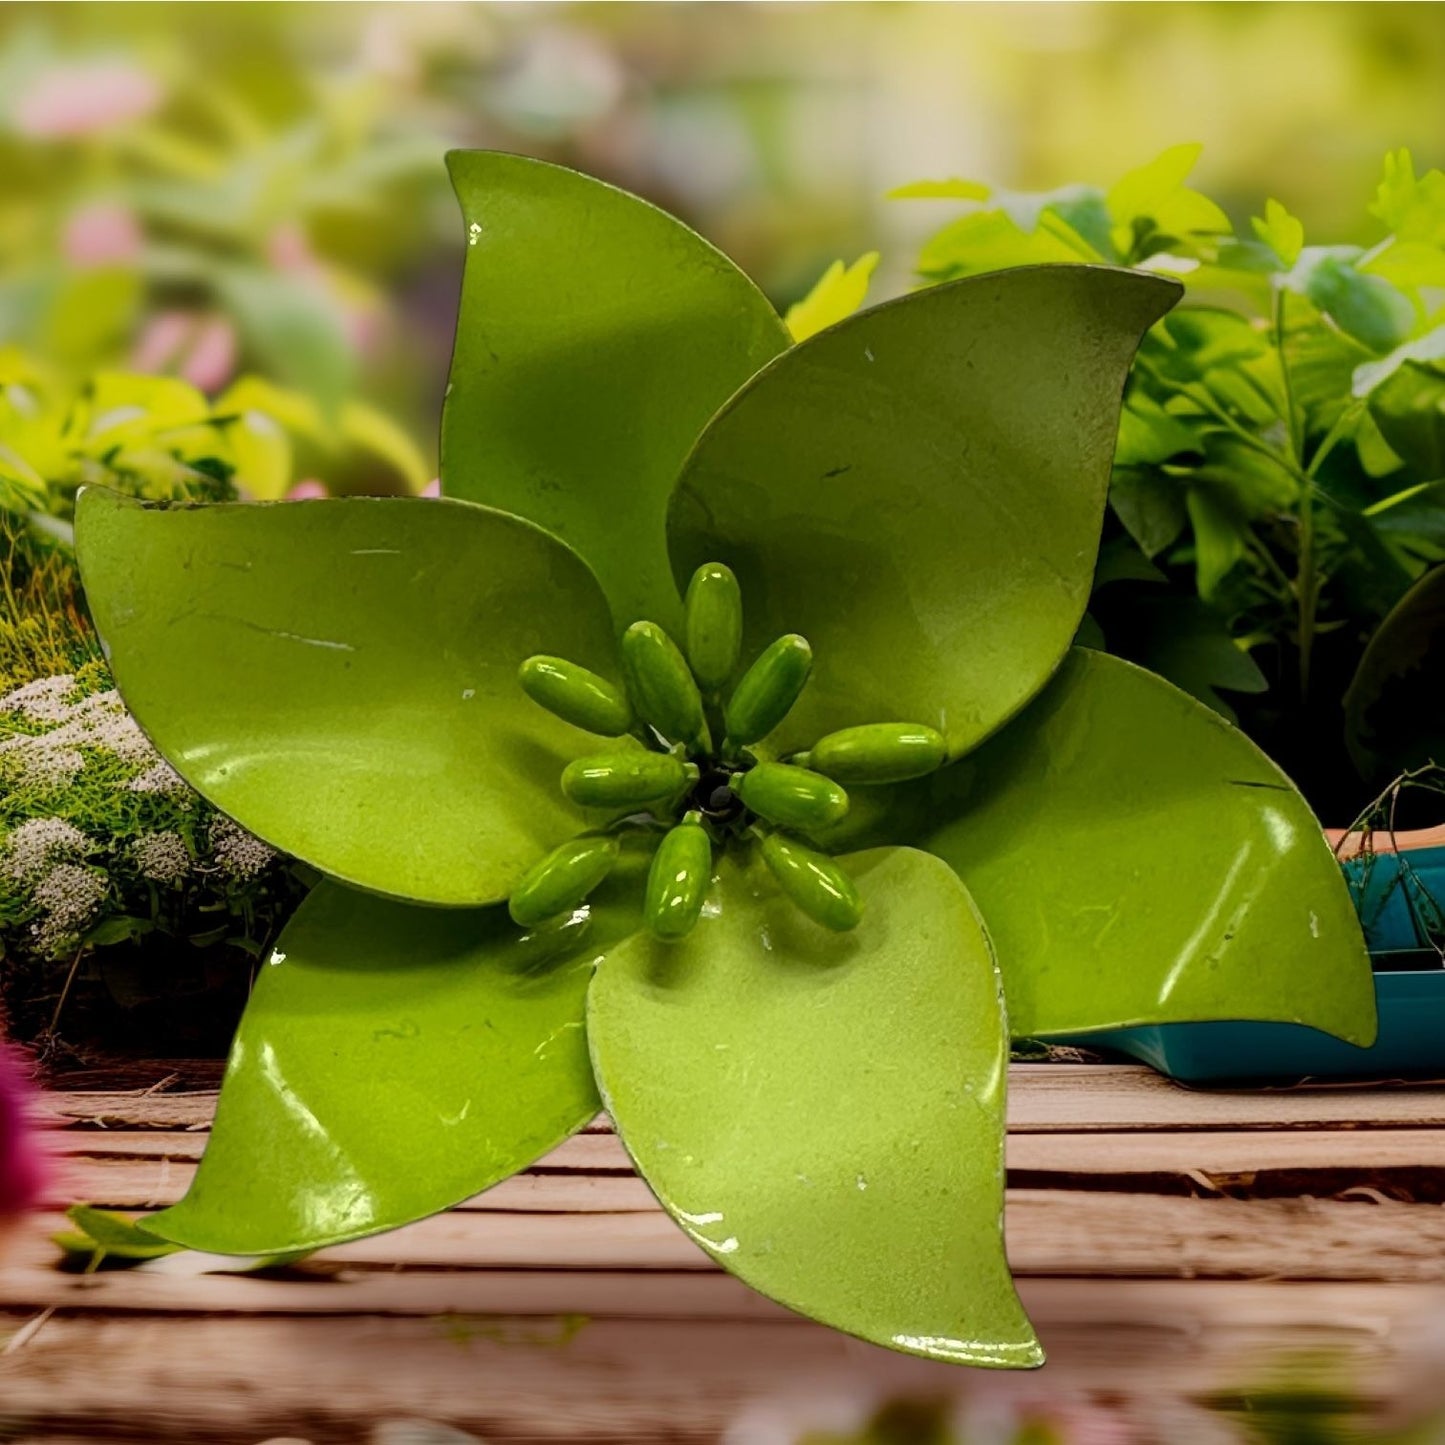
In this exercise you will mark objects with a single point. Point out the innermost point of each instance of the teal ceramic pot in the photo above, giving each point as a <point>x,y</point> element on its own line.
<point>1395,895</point>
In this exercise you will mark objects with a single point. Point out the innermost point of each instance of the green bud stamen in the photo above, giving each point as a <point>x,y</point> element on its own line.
<point>767,691</point>
<point>576,695</point>
<point>626,780</point>
<point>662,686</point>
<point>791,797</point>
<point>814,882</point>
<point>563,879</point>
<point>714,625</point>
<point>878,753</point>
<point>678,881</point>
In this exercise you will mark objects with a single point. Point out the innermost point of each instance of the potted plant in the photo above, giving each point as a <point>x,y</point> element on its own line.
<point>713,750</point>
<point>1275,529</point>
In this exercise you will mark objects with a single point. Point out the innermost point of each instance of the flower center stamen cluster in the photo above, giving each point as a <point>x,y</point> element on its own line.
<point>687,768</point>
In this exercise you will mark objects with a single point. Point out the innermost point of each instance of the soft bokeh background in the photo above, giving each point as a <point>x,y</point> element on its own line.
<point>259,188</point>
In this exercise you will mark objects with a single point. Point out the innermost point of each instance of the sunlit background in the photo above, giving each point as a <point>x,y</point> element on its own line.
<point>214,190</point>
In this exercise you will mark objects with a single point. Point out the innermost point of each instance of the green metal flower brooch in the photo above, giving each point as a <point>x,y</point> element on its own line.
<point>589,751</point>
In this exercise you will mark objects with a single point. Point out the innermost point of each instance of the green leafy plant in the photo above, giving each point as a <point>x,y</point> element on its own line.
<point>1277,483</point>
<point>817,596</point>
<point>102,843</point>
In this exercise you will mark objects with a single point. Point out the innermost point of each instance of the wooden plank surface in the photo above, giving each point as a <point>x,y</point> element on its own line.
<point>1043,1098</point>
<point>1169,1244</point>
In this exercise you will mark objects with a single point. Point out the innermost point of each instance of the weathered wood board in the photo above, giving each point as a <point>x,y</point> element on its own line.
<point>1176,1249</point>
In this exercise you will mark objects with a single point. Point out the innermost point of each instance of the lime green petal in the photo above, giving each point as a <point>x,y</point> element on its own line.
<point>919,490</point>
<point>341,676</point>
<point>393,1060</point>
<point>823,1113</point>
<point>1139,860</point>
<point>597,335</point>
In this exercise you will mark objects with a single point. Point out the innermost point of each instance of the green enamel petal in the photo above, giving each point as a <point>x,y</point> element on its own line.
<point>1139,860</point>
<point>597,335</point>
<point>341,676</point>
<point>393,1060</point>
<point>824,1113</point>
<point>919,492</point>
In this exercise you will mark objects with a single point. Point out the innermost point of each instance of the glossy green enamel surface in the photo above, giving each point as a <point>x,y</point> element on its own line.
<point>392,1061</point>
<point>597,335</point>
<point>823,1113</point>
<point>341,676</point>
<point>1139,860</point>
<point>919,491</point>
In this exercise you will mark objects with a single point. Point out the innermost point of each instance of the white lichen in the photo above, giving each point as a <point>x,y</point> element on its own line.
<point>27,851</point>
<point>160,777</point>
<point>69,897</point>
<point>47,769</point>
<point>237,852</point>
<point>161,857</point>
<point>46,700</point>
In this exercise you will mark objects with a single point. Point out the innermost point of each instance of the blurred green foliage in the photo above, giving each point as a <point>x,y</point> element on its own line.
<point>1277,490</point>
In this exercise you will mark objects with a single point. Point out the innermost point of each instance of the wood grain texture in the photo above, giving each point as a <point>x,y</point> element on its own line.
<point>1170,1244</point>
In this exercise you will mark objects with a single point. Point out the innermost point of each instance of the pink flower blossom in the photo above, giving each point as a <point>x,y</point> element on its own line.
<point>82,97</point>
<point>160,341</point>
<point>201,349</point>
<point>212,359</point>
<point>433,488</point>
<point>104,233</point>
<point>289,250</point>
<point>307,491</point>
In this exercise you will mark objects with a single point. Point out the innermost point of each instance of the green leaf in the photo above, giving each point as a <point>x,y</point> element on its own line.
<point>1220,536</point>
<point>103,1232</point>
<point>596,337</point>
<point>375,432</point>
<point>1150,504</point>
<point>919,492</point>
<point>1409,409</point>
<point>823,1113</point>
<point>1393,720</point>
<point>1365,306</point>
<point>839,292</point>
<point>1283,233</point>
<point>340,676</point>
<point>1148,434</point>
<point>294,331</point>
<point>1413,517</point>
<point>1140,861</point>
<point>1370,375</point>
<point>393,1061</point>
<point>949,190</point>
<point>1141,191</point>
<point>1412,208</point>
<point>989,240</point>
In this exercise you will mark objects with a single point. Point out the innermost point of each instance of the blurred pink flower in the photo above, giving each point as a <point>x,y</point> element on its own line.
<point>21,1162</point>
<point>202,349</point>
<point>83,97</point>
<point>288,249</point>
<point>433,488</point>
<point>104,233</point>
<point>212,359</point>
<point>160,339</point>
<point>308,490</point>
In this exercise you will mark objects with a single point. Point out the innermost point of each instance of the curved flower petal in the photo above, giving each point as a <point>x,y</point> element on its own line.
<point>393,1060</point>
<point>597,335</point>
<point>919,491</point>
<point>1138,860</point>
<point>823,1113</point>
<point>341,676</point>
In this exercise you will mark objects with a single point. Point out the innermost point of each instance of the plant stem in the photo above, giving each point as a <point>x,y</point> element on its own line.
<point>1307,585</point>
